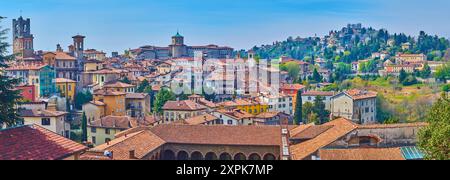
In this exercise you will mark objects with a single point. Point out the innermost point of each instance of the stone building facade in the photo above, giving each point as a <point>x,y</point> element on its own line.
<point>177,49</point>
<point>22,38</point>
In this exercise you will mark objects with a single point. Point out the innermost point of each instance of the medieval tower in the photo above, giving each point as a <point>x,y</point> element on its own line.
<point>178,48</point>
<point>22,38</point>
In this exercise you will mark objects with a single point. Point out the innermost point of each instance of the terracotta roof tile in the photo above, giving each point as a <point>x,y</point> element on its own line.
<point>357,94</point>
<point>136,95</point>
<point>119,122</point>
<point>236,113</point>
<point>40,113</point>
<point>205,118</point>
<point>98,103</point>
<point>118,84</point>
<point>312,132</point>
<point>340,128</point>
<point>186,105</point>
<point>142,142</point>
<point>318,93</point>
<point>219,135</point>
<point>361,154</point>
<point>35,143</point>
<point>383,126</point>
<point>292,86</point>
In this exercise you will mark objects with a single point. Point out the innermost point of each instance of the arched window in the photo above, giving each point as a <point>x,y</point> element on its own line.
<point>254,157</point>
<point>196,156</point>
<point>269,157</point>
<point>168,155</point>
<point>210,156</point>
<point>240,157</point>
<point>225,156</point>
<point>183,155</point>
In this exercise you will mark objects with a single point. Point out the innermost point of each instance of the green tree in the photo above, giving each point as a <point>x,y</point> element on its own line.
<point>209,97</point>
<point>126,80</point>
<point>319,109</point>
<point>403,75</point>
<point>8,96</point>
<point>410,80</point>
<point>443,72</point>
<point>298,109</point>
<point>162,97</point>
<point>434,139</point>
<point>84,137</point>
<point>293,69</point>
<point>82,98</point>
<point>426,71</point>
<point>316,76</point>
<point>143,86</point>
<point>446,88</point>
<point>307,109</point>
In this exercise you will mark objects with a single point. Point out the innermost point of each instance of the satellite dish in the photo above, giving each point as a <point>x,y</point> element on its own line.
<point>107,153</point>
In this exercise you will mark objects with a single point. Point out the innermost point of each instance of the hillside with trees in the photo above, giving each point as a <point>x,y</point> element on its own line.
<point>355,42</point>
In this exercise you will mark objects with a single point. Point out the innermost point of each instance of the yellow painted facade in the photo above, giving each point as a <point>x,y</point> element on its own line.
<point>254,109</point>
<point>66,88</point>
<point>115,104</point>
<point>99,135</point>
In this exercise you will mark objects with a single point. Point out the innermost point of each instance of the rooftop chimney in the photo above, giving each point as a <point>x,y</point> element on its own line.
<point>132,154</point>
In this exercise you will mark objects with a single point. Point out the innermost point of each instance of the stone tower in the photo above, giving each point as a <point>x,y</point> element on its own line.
<point>177,48</point>
<point>78,43</point>
<point>22,38</point>
<point>78,50</point>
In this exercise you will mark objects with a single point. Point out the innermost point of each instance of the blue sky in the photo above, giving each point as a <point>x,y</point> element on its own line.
<point>116,25</point>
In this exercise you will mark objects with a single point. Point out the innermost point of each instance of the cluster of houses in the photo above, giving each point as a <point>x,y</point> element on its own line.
<point>410,63</point>
<point>250,116</point>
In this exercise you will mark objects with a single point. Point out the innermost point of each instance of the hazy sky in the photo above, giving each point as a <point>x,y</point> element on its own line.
<point>116,25</point>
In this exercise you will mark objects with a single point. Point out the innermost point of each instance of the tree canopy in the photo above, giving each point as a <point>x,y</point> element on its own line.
<point>434,139</point>
<point>8,96</point>
<point>162,97</point>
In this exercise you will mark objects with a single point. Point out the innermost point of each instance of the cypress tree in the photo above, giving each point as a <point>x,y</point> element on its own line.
<point>298,109</point>
<point>84,137</point>
<point>8,96</point>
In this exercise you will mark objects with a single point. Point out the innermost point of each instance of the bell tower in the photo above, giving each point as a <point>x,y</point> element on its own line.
<point>22,38</point>
<point>178,48</point>
<point>78,43</point>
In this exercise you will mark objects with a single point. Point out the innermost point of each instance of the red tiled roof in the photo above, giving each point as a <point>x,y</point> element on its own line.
<point>318,93</point>
<point>357,94</point>
<point>35,143</point>
<point>293,86</point>
<point>62,56</point>
<point>311,132</point>
<point>142,142</point>
<point>236,113</point>
<point>340,128</point>
<point>361,154</point>
<point>42,113</point>
<point>136,95</point>
<point>219,135</point>
<point>119,122</point>
<point>205,118</point>
<point>98,103</point>
<point>25,66</point>
<point>384,126</point>
<point>186,105</point>
<point>118,84</point>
